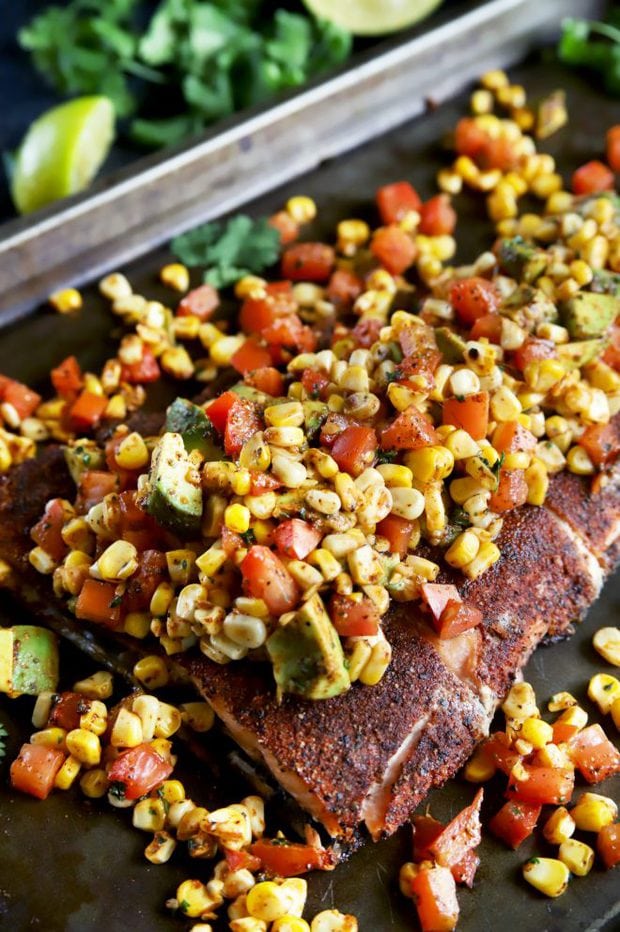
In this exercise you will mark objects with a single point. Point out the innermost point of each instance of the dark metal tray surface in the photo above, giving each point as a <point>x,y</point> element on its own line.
<point>68,865</point>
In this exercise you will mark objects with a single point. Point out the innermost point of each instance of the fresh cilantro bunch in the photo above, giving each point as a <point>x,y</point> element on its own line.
<point>180,66</point>
<point>594,45</point>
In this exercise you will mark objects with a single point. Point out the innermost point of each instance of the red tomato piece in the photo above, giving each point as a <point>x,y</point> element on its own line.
<point>437,595</point>
<point>308,262</point>
<point>469,138</point>
<point>139,373</point>
<point>511,491</point>
<point>250,356</point>
<point>265,577</point>
<point>230,541</point>
<point>515,822</point>
<point>498,749</point>
<point>139,770</point>
<point>93,486</point>
<point>242,422</point>
<point>472,298</point>
<point>592,177</point>
<point>266,379</point>
<point>534,348</point>
<point>488,327</point>
<point>355,449</point>
<point>465,871</point>
<point>437,216</point>
<point>397,531</point>
<point>263,482</point>
<point>354,619</point>
<point>410,430</point>
<point>434,895</point>
<point>601,442</point>
<point>459,836</point>
<point>425,830</point>
<point>67,377</point>
<point>396,200</point>
<point>218,410</point>
<point>237,860</point>
<point>344,287</point>
<point>295,538</point>
<point>608,844</point>
<point>47,531</point>
<point>256,314</point>
<point>98,602</point>
<point>23,399</point>
<point>287,859</point>
<point>394,249</point>
<point>152,570</point>
<point>544,785</point>
<point>285,330</point>
<point>285,225</point>
<point>314,382</point>
<point>35,769</point>
<point>497,153</point>
<point>470,413</point>
<point>66,710</point>
<point>611,354</point>
<point>366,331</point>
<point>612,140</point>
<point>202,302</point>
<point>456,618</point>
<point>512,437</point>
<point>594,755</point>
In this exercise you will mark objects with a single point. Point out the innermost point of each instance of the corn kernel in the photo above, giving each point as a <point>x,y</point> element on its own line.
<point>606,642</point>
<point>66,300</point>
<point>290,924</point>
<point>68,773</point>
<point>332,920</point>
<point>160,850</point>
<point>126,730</point>
<point>175,275</point>
<point>84,746</point>
<point>577,856</point>
<point>132,452</point>
<point>194,899</point>
<point>98,686</point>
<point>559,827</point>
<point>301,209</point>
<point>536,732</point>
<point>604,689</point>
<point>152,671</point>
<point>117,562</point>
<point>479,768</point>
<point>593,812</point>
<point>487,555</point>
<point>547,875</point>
<point>94,783</point>
<point>149,815</point>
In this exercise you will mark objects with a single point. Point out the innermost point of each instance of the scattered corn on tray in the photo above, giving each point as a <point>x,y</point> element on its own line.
<point>88,863</point>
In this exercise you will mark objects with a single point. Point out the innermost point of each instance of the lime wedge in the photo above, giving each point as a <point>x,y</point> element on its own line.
<point>372,17</point>
<point>62,152</point>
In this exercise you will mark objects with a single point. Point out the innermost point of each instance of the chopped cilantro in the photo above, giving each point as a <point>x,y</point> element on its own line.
<point>249,536</point>
<point>386,456</point>
<point>117,790</point>
<point>116,601</point>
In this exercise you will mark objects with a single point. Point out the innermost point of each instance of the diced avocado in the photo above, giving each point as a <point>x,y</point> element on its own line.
<point>315,413</point>
<point>450,345</point>
<point>589,315</point>
<point>307,655</point>
<point>28,660</point>
<point>606,282</point>
<point>81,456</point>
<point>522,260</point>
<point>575,355</point>
<point>190,421</point>
<point>172,498</point>
<point>252,394</point>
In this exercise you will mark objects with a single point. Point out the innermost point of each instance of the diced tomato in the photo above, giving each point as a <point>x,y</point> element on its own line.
<point>489,327</point>
<point>437,216</point>
<point>142,372</point>
<point>284,331</point>
<point>366,331</point>
<point>512,437</point>
<point>425,830</point>
<point>22,398</point>
<point>472,298</point>
<point>237,860</point>
<point>434,895</point>
<point>287,859</point>
<point>249,356</point>
<point>437,595</point>
<point>67,377</point>
<point>314,382</point>
<point>99,602</point>
<point>256,314</point>
<point>469,137</point>
<point>499,751</point>
<point>139,770</point>
<point>465,871</point>
<point>344,287</point>
<point>66,710</point>
<point>511,491</point>
<point>552,785</point>
<point>608,844</point>
<point>592,177</point>
<point>265,577</point>
<point>231,541</point>
<point>242,422</point>
<point>534,348</point>
<point>355,449</point>
<point>93,486</point>
<point>612,140</point>
<point>419,348</point>
<point>564,729</point>
<point>497,153</point>
<point>611,355</point>
<point>410,430</point>
<point>152,570</point>
<point>285,225</point>
<point>515,822</point>
<point>47,531</point>
<point>35,769</point>
<point>218,410</point>
<point>202,302</point>
<point>308,262</point>
<point>295,538</point>
<point>470,413</point>
<point>459,836</point>
<point>601,442</point>
<point>354,619</point>
<point>263,482</point>
<point>397,531</point>
<point>396,200</point>
<point>456,618</point>
<point>266,379</point>
<point>594,755</point>
<point>394,249</point>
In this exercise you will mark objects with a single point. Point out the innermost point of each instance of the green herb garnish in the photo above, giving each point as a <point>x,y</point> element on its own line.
<point>594,45</point>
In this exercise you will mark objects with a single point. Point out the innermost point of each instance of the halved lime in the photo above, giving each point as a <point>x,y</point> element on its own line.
<point>62,152</point>
<point>372,17</point>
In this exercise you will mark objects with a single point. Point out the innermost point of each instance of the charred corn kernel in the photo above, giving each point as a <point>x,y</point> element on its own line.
<point>261,506</point>
<point>185,817</point>
<point>212,560</point>
<point>357,656</point>
<point>543,374</point>
<point>291,473</point>
<point>224,348</point>
<point>302,209</point>
<point>327,503</point>
<point>547,875</point>
<point>137,624</point>
<point>434,508</point>
<point>285,436</point>
<point>152,671</point>
<point>429,464</point>
<point>306,576</point>
<point>193,898</point>
<point>168,720</point>
<point>255,454</point>
<point>561,701</point>
<point>518,460</point>
<point>160,849</point>
<point>175,275</point>
<point>290,924</point>
<point>487,555</point>
<point>116,408</point>
<point>149,815</point>
<point>115,286</point>
<point>237,518</point>
<point>400,396</point>
<point>332,920</point>
<point>255,807</point>
<point>132,452</point>
<point>464,549</point>
<point>463,489</point>
<point>479,768</point>
<point>577,856</point>
<point>423,567</point>
<point>84,746</point>
<point>268,901</point>
<point>126,730</point>
<point>161,599</point>
<point>177,362</point>
<point>163,748</point>
<point>604,689</point>
<point>377,663</point>
<point>289,414</point>
<point>230,825</point>
<point>98,686</point>
<point>396,475</point>
<point>606,642</point>
<point>117,562</point>
<point>460,444</point>
<point>407,503</point>
<point>559,827</point>
<point>537,482</point>
<point>147,710</point>
<point>352,233</point>
<point>199,716</point>
<point>505,406</point>
<point>41,561</point>
<point>42,709</point>
<point>464,382</point>
<point>520,703</point>
<point>95,719</point>
<point>66,300</point>
<point>550,456</point>
<point>94,783</point>
<point>593,812</point>
<point>250,286</point>
<point>536,732</point>
<point>595,251</point>
<point>248,924</point>
<point>50,737</point>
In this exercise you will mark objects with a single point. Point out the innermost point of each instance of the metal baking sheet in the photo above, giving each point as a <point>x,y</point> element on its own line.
<point>67,865</point>
<point>240,159</point>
